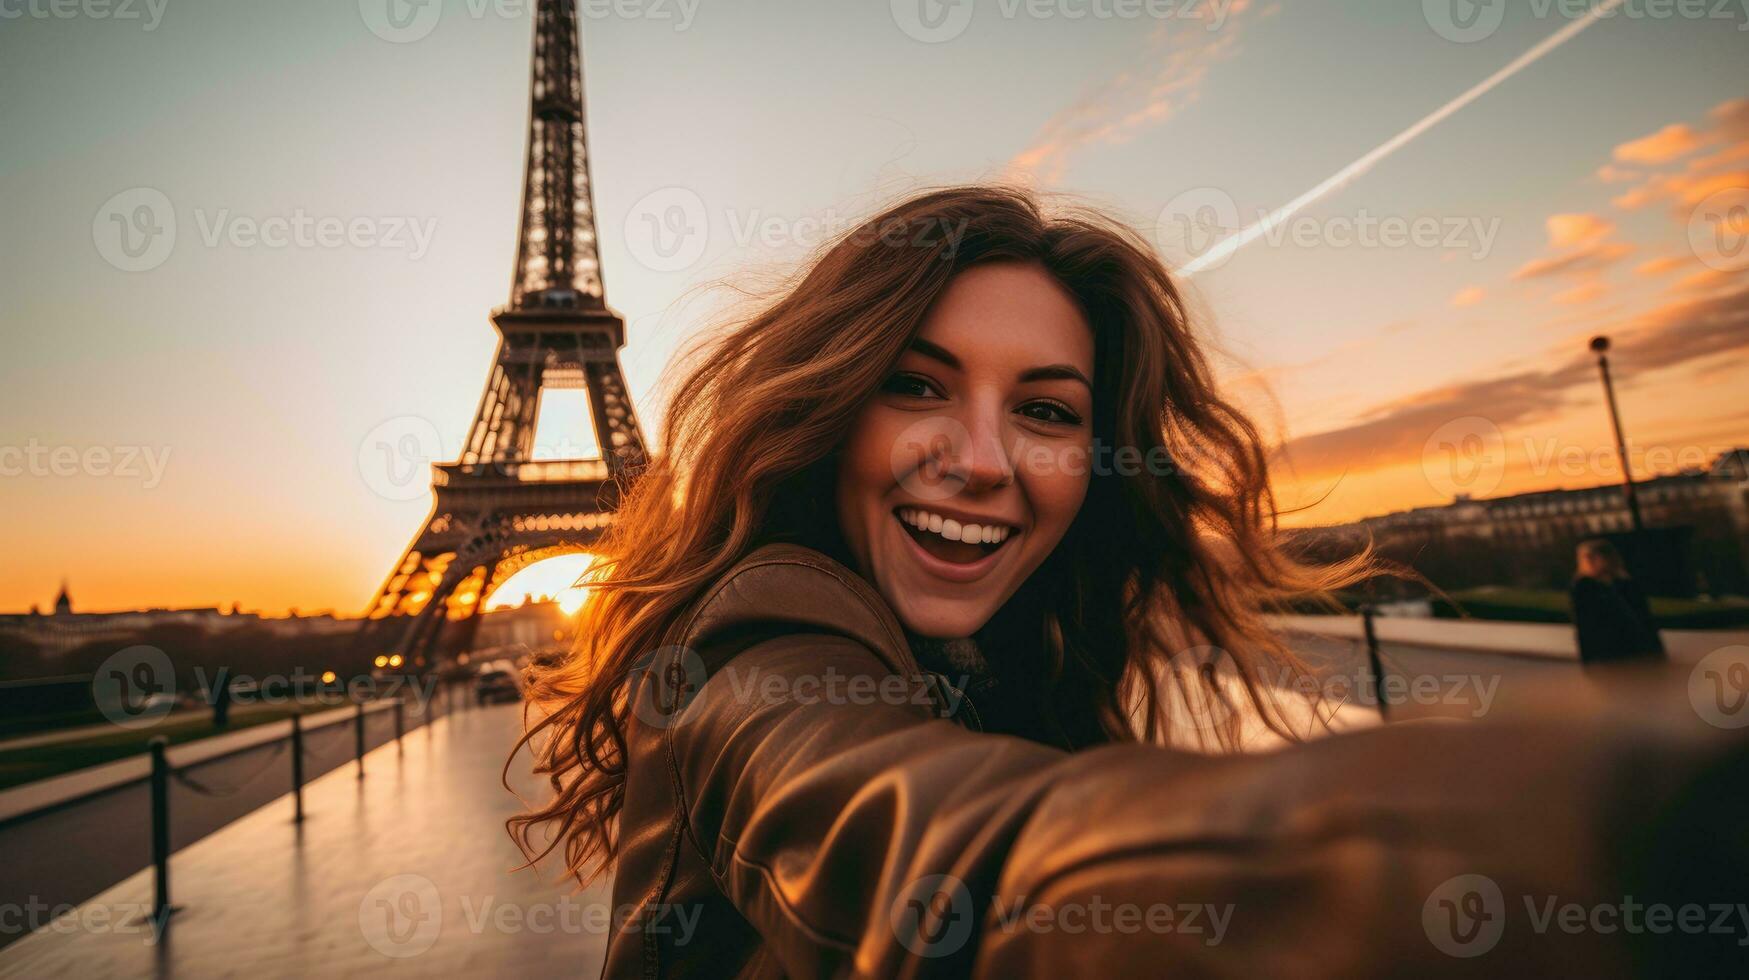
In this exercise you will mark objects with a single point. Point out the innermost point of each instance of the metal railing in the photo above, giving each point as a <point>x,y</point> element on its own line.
<point>162,772</point>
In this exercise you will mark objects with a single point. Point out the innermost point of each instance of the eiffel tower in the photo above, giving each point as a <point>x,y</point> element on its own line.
<point>498,509</point>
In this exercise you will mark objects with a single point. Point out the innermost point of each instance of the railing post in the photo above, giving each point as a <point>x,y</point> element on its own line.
<point>358,735</point>
<point>160,829</point>
<point>297,751</point>
<point>1367,614</point>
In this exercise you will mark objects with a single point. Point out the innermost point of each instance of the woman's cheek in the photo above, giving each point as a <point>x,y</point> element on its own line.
<point>1057,490</point>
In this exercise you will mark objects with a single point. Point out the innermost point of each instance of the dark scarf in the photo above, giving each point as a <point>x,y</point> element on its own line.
<point>1003,672</point>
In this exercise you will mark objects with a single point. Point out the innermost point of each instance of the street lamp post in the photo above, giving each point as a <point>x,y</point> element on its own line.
<point>1600,345</point>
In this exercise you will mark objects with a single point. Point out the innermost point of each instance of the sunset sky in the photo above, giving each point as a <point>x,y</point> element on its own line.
<point>224,403</point>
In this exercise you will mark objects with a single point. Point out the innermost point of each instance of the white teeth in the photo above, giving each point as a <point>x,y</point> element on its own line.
<point>953,530</point>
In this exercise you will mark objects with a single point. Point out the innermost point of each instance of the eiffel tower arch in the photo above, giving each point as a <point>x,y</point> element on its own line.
<point>497,508</point>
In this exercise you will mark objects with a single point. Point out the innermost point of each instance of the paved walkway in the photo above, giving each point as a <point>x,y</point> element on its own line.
<point>404,873</point>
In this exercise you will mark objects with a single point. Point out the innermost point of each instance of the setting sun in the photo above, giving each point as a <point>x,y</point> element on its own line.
<point>556,578</point>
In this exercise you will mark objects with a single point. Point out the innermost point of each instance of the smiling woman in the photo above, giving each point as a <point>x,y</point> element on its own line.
<point>999,369</point>
<point>940,529</point>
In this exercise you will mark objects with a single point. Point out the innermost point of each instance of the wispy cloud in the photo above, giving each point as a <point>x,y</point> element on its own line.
<point>1681,332</point>
<point>1469,297</point>
<point>1582,294</point>
<point>1577,229</point>
<point>1661,265</point>
<point>1583,259</point>
<point>1667,144</point>
<point>1726,134</point>
<point>1168,76</point>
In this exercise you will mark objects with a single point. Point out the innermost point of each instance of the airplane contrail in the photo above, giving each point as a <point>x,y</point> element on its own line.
<point>1245,236</point>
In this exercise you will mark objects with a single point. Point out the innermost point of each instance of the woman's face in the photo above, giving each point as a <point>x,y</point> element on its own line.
<point>966,468</point>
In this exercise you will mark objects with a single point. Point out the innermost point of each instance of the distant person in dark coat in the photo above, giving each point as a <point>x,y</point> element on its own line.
<point>1611,613</point>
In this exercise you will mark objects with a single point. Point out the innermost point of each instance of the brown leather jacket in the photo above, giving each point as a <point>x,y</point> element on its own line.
<point>821,807</point>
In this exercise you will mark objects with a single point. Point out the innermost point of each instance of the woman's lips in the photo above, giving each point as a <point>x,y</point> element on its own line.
<point>945,567</point>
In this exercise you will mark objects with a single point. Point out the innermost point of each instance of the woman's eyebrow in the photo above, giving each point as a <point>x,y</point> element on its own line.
<point>935,351</point>
<point>1065,372</point>
<point>1049,372</point>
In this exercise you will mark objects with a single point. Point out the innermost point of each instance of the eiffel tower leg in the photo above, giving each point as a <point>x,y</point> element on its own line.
<point>616,425</point>
<point>427,627</point>
<point>471,626</point>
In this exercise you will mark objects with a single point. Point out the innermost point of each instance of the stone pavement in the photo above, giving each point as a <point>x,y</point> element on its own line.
<point>406,872</point>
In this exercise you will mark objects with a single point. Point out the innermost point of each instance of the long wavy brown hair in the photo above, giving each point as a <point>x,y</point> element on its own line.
<point>1159,572</point>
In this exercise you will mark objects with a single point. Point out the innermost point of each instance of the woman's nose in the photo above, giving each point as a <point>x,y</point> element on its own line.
<point>978,459</point>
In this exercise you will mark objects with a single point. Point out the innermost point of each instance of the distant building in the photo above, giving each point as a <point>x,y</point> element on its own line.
<point>1527,538</point>
<point>66,629</point>
<point>535,625</point>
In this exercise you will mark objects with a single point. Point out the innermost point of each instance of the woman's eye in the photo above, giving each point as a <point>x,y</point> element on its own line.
<point>909,385</point>
<point>1050,412</point>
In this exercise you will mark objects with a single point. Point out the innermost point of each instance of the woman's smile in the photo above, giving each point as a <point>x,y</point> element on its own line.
<point>957,550</point>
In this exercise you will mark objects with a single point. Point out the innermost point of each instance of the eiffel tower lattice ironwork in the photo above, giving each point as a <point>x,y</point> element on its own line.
<point>498,509</point>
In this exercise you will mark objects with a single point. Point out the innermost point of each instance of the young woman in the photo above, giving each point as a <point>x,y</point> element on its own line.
<point>942,540</point>
<point>1611,616</point>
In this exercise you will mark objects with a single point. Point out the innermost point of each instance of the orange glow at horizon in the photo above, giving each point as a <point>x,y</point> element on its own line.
<point>556,578</point>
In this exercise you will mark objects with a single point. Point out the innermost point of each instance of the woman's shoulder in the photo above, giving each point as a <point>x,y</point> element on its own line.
<point>790,588</point>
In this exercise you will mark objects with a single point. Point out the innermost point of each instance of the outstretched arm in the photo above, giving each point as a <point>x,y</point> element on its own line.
<point>874,837</point>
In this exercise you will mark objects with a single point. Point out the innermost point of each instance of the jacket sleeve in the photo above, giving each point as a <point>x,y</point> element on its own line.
<point>859,832</point>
